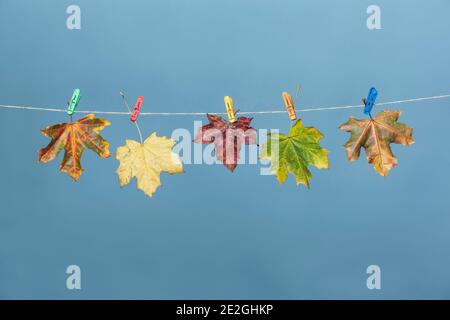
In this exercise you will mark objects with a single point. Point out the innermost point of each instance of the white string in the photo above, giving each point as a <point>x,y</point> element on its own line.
<point>309,109</point>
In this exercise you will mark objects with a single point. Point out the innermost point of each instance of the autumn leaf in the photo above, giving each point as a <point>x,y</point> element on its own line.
<point>74,138</point>
<point>146,161</point>
<point>227,138</point>
<point>375,135</point>
<point>295,152</point>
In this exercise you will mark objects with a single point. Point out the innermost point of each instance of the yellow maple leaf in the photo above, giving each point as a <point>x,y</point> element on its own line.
<point>146,161</point>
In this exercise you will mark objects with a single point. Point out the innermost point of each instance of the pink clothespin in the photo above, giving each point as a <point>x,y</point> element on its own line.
<point>137,108</point>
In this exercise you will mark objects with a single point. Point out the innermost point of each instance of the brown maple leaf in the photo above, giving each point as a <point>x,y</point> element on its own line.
<point>227,138</point>
<point>74,137</point>
<point>375,135</point>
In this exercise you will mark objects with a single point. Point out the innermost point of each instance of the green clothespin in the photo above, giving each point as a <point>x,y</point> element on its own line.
<point>76,96</point>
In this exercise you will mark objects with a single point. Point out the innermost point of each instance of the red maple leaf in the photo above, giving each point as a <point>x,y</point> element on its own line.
<point>227,138</point>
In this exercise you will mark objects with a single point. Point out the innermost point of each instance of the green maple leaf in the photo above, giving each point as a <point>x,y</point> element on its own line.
<point>295,153</point>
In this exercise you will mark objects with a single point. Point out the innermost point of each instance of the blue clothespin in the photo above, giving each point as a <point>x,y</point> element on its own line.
<point>371,97</point>
<point>73,103</point>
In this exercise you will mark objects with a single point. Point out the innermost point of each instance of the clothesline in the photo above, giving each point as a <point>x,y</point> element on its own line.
<point>309,109</point>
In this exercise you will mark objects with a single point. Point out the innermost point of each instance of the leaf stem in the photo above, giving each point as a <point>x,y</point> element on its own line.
<point>70,116</point>
<point>297,93</point>
<point>129,110</point>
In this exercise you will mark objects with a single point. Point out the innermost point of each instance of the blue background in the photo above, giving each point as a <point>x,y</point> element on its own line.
<point>210,233</point>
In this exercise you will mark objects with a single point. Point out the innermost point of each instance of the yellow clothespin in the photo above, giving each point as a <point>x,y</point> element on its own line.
<point>230,108</point>
<point>289,104</point>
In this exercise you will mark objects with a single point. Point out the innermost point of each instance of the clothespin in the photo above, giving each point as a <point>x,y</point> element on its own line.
<point>230,108</point>
<point>370,101</point>
<point>137,108</point>
<point>289,104</point>
<point>73,103</point>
